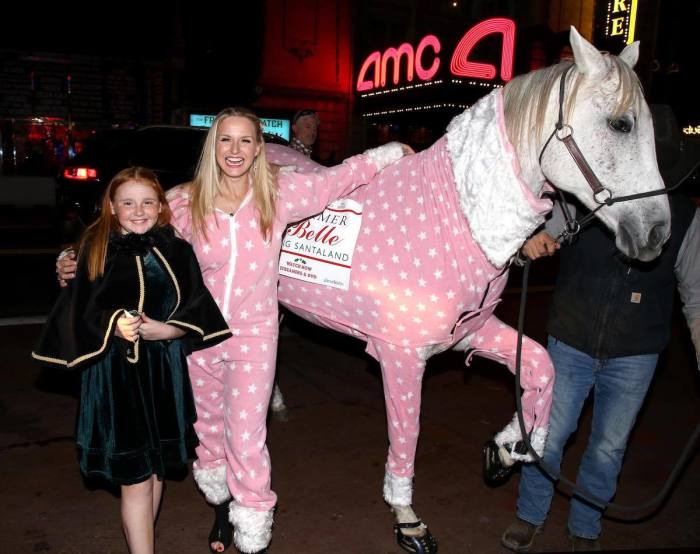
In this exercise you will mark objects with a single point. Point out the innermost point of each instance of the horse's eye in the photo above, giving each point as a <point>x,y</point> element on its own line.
<point>621,125</point>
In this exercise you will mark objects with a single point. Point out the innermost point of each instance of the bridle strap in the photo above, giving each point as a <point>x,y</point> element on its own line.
<point>564,133</point>
<point>582,164</point>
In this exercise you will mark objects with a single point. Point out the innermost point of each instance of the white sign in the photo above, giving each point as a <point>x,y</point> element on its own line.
<point>320,248</point>
<point>279,127</point>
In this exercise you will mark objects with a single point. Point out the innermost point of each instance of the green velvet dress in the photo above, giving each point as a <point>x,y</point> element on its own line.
<point>135,420</point>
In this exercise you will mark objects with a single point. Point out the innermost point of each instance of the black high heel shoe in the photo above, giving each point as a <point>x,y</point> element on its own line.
<point>222,531</point>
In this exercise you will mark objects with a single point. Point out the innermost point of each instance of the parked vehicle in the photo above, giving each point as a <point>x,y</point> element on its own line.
<point>32,151</point>
<point>171,151</point>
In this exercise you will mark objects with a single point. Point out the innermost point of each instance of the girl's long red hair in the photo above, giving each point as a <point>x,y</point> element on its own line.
<point>95,239</point>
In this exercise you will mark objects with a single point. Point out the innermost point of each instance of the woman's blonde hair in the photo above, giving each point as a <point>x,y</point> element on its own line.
<point>205,184</point>
<point>94,240</point>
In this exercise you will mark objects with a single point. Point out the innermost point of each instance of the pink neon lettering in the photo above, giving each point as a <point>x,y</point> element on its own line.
<point>434,43</point>
<point>362,83</point>
<point>395,54</point>
<point>460,65</point>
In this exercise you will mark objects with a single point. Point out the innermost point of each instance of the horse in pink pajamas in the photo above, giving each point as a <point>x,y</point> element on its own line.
<point>441,227</point>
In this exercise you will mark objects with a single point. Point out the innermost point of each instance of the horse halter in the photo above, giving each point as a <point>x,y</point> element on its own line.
<point>565,134</point>
<point>602,195</point>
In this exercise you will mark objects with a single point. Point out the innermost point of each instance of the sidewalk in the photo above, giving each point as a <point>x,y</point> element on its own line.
<point>328,459</point>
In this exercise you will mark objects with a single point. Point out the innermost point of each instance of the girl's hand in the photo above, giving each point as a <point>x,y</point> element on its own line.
<point>66,265</point>
<point>151,329</point>
<point>128,326</point>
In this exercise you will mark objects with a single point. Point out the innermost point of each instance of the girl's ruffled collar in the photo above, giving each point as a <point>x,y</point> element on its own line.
<point>135,244</point>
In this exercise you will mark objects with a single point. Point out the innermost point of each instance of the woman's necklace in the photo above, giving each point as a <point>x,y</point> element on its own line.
<point>229,202</point>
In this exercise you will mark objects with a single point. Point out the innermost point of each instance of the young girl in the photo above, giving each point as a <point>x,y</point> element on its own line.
<point>136,308</point>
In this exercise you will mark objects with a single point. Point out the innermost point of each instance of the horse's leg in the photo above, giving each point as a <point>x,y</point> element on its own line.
<point>498,341</point>
<point>402,375</point>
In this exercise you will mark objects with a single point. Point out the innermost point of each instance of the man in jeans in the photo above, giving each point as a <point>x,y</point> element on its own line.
<point>609,320</point>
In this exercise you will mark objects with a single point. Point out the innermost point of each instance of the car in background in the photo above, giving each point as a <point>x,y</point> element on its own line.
<point>171,151</point>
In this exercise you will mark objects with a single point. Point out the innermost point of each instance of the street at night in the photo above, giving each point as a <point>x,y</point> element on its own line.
<point>328,457</point>
<point>381,168</point>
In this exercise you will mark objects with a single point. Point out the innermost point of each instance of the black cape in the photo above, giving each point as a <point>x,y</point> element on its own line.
<point>80,328</point>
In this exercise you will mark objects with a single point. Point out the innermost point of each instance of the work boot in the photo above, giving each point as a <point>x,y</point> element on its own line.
<point>581,544</point>
<point>520,536</point>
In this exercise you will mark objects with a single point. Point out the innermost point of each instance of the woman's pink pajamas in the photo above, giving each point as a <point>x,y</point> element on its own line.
<point>233,381</point>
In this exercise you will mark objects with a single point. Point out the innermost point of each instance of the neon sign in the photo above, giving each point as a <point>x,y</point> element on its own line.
<point>460,64</point>
<point>620,19</point>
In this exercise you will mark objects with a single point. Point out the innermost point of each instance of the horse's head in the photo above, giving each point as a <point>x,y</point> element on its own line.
<point>605,111</point>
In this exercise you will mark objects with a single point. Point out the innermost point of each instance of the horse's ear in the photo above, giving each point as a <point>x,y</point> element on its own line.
<point>588,60</point>
<point>630,54</point>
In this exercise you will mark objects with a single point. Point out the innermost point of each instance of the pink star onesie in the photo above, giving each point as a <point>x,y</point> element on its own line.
<point>232,381</point>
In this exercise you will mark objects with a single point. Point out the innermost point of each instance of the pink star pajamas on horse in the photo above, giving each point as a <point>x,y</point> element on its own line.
<point>427,274</point>
<point>232,382</point>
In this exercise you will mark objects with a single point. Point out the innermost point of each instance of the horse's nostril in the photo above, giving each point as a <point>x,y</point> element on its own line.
<point>658,235</point>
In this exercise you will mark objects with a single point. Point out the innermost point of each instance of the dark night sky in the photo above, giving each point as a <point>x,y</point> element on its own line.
<point>221,42</point>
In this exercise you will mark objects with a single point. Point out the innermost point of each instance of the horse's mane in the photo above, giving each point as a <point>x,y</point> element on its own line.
<point>526,97</point>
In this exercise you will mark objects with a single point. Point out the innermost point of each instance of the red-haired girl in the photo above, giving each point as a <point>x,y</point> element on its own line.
<point>136,308</point>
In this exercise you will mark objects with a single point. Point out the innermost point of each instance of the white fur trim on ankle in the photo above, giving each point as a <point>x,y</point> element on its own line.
<point>252,528</point>
<point>212,482</point>
<point>398,491</point>
<point>511,435</point>
<point>386,154</point>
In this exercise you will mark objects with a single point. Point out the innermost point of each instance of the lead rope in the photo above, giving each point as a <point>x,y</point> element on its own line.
<point>556,475</point>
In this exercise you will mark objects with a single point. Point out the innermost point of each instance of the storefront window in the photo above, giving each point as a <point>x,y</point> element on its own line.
<point>38,146</point>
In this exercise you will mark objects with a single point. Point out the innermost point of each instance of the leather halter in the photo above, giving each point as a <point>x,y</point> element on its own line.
<point>602,195</point>
<point>565,133</point>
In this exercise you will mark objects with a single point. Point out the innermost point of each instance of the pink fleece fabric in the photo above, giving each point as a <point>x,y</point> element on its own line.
<point>419,283</point>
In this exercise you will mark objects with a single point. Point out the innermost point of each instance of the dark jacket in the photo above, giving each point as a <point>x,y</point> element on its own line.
<point>81,325</point>
<point>607,305</point>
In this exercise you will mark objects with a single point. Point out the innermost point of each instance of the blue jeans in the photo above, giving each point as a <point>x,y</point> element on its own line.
<point>619,386</point>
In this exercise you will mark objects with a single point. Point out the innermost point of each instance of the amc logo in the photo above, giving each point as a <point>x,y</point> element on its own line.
<point>424,61</point>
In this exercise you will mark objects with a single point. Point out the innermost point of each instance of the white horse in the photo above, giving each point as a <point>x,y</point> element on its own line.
<point>440,229</point>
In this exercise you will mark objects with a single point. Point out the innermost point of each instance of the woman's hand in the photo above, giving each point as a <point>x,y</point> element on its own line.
<point>407,150</point>
<point>542,244</point>
<point>65,267</point>
<point>151,329</point>
<point>128,327</point>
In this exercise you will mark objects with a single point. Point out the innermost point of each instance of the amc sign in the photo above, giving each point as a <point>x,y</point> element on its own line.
<point>424,61</point>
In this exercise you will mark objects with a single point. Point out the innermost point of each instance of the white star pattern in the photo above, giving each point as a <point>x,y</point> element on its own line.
<point>401,291</point>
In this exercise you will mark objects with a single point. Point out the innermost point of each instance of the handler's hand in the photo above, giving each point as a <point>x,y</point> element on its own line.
<point>542,244</point>
<point>151,329</point>
<point>128,327</point>
<point>65,267</point>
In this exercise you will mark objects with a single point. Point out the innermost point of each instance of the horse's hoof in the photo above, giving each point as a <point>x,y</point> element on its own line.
<point>495,471</point>
<point>425,544</point>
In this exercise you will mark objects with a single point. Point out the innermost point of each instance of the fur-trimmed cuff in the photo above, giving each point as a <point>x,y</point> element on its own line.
<point>385,155</point>
<point>252,528</point>
<point>510,435</point>
<point>398,491</point>
<point>212,482</point>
